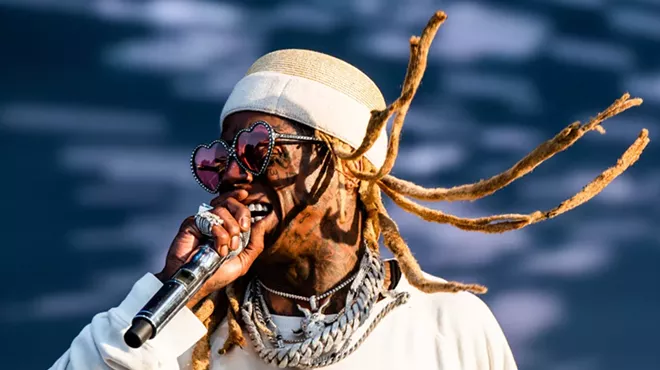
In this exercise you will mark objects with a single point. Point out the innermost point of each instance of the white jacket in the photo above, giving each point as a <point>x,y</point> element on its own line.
<point>441,331</point>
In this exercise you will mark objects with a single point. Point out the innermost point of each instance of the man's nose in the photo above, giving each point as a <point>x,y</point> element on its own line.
<point>235,174</point>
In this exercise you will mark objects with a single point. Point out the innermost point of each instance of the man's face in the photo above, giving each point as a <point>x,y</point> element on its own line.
<point>289,185</point>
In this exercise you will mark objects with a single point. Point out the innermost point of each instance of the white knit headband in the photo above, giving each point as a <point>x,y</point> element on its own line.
<point>313,89</point>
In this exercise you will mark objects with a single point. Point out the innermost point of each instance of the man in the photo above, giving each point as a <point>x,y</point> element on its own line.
<point>295,167</point>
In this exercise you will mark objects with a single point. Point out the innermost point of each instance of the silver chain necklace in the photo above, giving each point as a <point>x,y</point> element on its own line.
<point>313,300</point>
<point>324,341</point>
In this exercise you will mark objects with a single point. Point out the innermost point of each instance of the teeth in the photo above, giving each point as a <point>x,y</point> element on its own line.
<point>257,207</point>
<point>257,219</point>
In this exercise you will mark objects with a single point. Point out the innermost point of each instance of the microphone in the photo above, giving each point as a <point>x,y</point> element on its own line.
<point>176,292</point>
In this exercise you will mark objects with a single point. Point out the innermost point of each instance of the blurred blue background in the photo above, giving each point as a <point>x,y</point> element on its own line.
<point>101,102</point>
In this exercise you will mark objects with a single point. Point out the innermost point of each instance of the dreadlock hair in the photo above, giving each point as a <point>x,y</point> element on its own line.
<point>371,181</point>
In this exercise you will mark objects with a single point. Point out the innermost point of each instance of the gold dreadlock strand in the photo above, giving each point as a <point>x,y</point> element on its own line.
<point>411,268</point>
<point>202,352</point>
<point>502,223</point>
<point>235,336</point>
<point>629,157</point>
<point>559,143</point>
<point>373,203</point>
<point>419,47</point>
<point>379,118</point>
<point>211,312</point>
<point>499,222</point>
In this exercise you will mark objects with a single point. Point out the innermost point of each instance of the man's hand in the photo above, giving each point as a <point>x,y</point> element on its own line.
<point>236,219</point>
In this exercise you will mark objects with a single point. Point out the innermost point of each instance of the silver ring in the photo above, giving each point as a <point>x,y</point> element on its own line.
<point>205,222</point>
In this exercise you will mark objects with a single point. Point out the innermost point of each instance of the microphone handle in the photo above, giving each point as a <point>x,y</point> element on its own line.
<point>176,292</point>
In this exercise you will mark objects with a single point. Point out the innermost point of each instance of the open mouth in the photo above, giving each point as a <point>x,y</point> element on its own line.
<point>259,211</point>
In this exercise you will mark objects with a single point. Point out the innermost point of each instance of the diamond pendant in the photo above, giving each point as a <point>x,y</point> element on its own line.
<point>314,321</point>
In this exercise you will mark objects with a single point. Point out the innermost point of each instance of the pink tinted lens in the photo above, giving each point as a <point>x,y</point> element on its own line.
<point>252,147</point>
<point>209,165</point>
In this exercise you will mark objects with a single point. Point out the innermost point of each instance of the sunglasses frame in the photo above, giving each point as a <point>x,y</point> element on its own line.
<point>273,136</point>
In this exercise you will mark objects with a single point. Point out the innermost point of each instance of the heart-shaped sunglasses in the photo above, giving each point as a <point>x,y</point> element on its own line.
<point>251,149</point>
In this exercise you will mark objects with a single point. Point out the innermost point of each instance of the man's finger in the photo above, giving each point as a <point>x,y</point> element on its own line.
<point>187,239</point>
<point>241,213</point>
<point>221,238</point>
<point>231,226</point>
<point>183,246</point>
